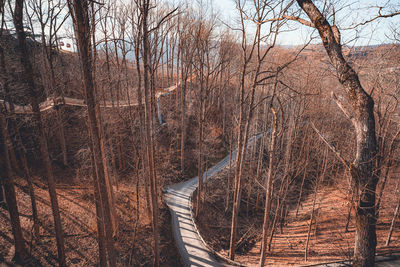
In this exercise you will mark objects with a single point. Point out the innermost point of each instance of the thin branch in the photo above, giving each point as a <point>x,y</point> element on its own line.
<point>164,18</point>
<point>331,147</point>
<point>346,112</point>
<point>93,1</point>
<point>374,18</point>
<point>300,20</point>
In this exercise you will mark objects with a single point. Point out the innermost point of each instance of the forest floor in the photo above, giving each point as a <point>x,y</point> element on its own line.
<point>134,241</point>
<point>328,240</point>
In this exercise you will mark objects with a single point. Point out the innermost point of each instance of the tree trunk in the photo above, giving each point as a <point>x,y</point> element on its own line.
<point>145,8</point>
<point>19,146</point>
<point>228,187</point>
<point>5,80</point>
<point>237,181</point>
<point>268,192</point>
<point>28,73</point>
<point>84,46</point>
<point>28,179</point>
<point>142,120</point>
<point>183,119</point>
<point>362,169</point>
<point>200,149</point>
<point>61,135</point>
<point>313,217</point>
<point>11,198</point>
<point>99,212</point>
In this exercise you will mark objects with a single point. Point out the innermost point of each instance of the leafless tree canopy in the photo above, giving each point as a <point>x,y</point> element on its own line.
<point>105,104</point>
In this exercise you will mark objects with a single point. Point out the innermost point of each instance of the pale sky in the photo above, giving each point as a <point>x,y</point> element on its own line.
<point>355,10</point>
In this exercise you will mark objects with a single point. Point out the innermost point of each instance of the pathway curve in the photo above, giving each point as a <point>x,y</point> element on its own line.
<point>69,101</point>
<point>178,198</point>
<point>189,242</point>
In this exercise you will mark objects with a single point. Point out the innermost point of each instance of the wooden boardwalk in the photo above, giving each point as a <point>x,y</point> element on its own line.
<point>190,244</point>
<point>178,197</point>
<point>187,239</point>
<point>56,101</point>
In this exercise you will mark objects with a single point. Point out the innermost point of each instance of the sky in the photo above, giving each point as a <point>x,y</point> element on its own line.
<point>353,11</point>
<point>297,34</point>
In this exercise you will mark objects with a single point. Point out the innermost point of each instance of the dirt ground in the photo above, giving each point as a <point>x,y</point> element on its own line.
<point>328,240</point>
<point>134,241</point>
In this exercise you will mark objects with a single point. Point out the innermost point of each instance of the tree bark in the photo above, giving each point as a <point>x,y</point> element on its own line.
<point>362,169</point>
<point>101,239</point>
<point>11,198</point>
<point>228,187</point>
<point>84,47</point>
<point>34,99</point>
<point>145,8</point>
<point>31,190</point>
<point>268,192</point>
<point>19,149</point>
<point>183,119</point>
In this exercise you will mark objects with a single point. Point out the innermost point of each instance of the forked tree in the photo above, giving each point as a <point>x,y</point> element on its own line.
<point>362,169</point>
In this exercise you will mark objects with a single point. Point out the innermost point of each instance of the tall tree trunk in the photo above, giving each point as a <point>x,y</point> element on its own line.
<point>11,198</point>
<point>362,169</point>
<point>31,190</point>
<point>5,80</point>
<point>28,73</point>
<point>200,149</point>
<point>84,47</point>
<point>268,192</point>
<point>228,187</point>
<point>101,238</point>
<point>313,212</point>
<point>242,141</point>
<point>183,119</point>
<point>145,8</point>
<point>103,143</point>
<point>142,129</point>
<point>19,146</point>
<point>237,181</point>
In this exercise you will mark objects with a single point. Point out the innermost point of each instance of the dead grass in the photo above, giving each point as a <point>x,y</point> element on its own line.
<point>134,244</point>
<point>328,242</point>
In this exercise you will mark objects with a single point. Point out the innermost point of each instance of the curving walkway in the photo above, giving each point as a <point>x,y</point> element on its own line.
<point>178,198</point>
<point>191,245</point>
<point>69,101</point>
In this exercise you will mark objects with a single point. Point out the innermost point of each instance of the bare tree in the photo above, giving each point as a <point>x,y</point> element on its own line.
<point>33,93</point>
<point>268,186</point>
<point>362,116</point>
<point>250,51</point>
<point>79,9</point>
<point>50,16</point>
<point>144,6</point>
<point>20,253</point>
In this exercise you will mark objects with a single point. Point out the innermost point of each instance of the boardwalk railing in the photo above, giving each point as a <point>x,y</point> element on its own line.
<point>57,101</point>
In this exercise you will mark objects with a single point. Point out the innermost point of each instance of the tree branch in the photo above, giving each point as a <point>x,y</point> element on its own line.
<point>300,20</point>
<point>164,18</point>
<point>346,112</point>
<point>331,147</point>
<point>374,18</point>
